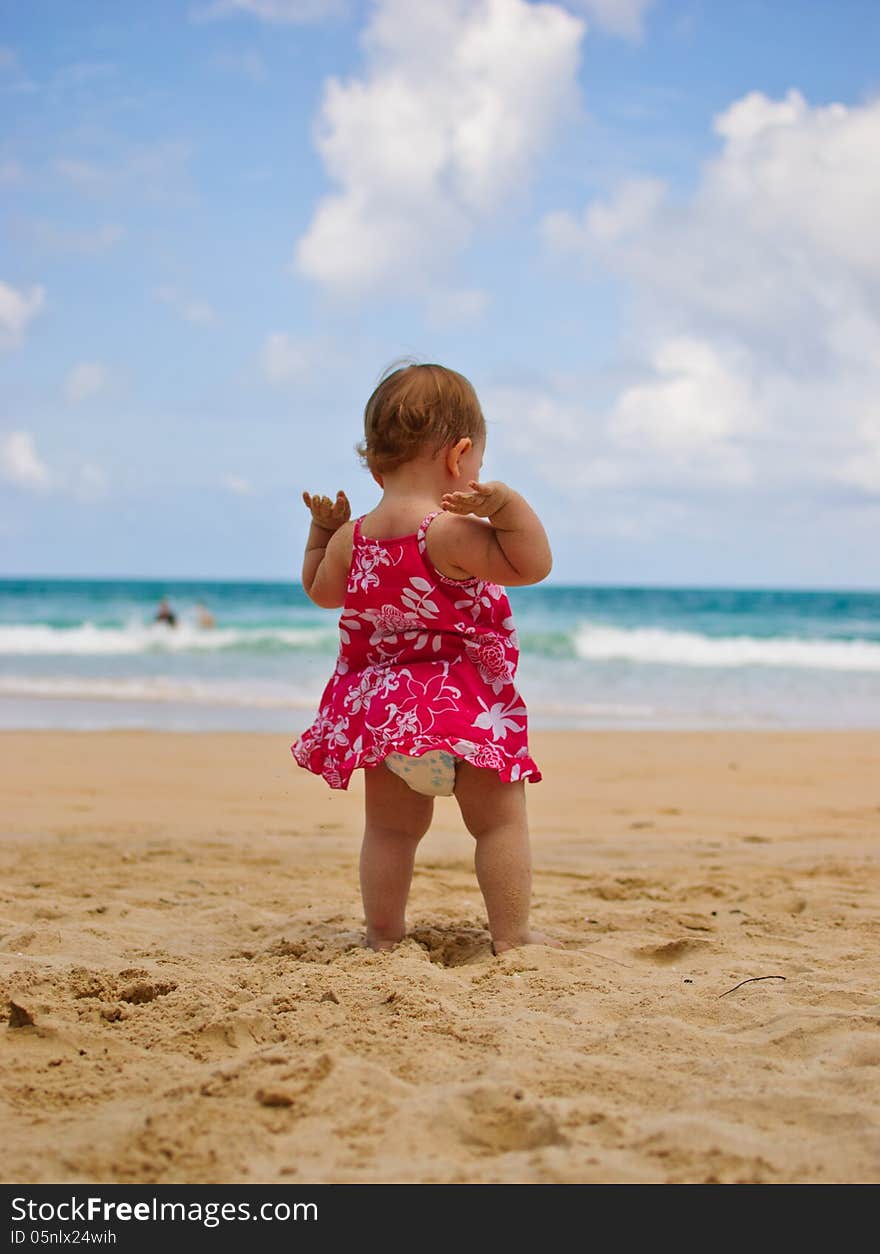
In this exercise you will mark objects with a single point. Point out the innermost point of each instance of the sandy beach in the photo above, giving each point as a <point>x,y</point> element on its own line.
<point>186,998</point>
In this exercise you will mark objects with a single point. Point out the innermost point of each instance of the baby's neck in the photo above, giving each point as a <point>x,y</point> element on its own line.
<point>422,478</point>
<point>409,493</point>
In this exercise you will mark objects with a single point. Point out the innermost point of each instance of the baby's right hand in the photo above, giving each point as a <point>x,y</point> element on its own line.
<point>483,499</point>
<point>326,513</point>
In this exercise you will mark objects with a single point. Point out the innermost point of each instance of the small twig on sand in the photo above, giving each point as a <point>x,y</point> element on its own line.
<point>752,980</point>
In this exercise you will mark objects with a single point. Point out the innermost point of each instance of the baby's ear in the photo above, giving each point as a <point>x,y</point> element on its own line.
<point>454,454</point>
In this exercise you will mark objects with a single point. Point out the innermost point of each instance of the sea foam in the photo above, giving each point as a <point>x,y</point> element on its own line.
<point>135,637</point>
<point>599,643</point>
<point>157,688</point>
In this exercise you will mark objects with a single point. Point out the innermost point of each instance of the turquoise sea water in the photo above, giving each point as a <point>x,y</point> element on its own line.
<point>86,654</point>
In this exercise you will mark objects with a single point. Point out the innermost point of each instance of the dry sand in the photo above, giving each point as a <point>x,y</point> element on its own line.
<point>186,998</point>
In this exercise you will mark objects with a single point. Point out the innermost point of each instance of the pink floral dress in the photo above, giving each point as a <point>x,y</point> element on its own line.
<point>425,662</point>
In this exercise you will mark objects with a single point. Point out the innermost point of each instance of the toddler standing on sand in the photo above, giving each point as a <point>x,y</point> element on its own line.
<point>423,694</point>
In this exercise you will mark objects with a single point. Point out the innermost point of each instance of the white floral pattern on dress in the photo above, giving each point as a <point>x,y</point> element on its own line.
<point>366,561</point>
<point>488,654</point>
<point>347,624</point>
<point>373,681</point>
<point>418,704</point>
<point>389,622</point>
<point>394,628</point>
<point>500,718</point>
<point>479,597</point>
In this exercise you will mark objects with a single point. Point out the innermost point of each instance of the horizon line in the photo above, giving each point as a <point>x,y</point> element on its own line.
<point>276,581</point>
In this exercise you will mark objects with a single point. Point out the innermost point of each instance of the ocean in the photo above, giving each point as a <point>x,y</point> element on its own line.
<point>85,653</point>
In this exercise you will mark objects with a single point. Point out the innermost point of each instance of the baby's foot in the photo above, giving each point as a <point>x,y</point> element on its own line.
<point>530,938</point>
<point>374,940</point>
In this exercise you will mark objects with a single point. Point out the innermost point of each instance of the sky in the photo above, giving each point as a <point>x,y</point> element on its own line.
<point>645,231</point>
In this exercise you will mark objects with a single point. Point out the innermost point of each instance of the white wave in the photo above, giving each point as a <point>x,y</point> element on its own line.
<point>158,689</point>
<point>38,639</point>
<point>597,642</point>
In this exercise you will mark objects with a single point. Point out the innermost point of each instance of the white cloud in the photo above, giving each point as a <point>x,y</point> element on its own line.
<point>237,485</point>
<point>86,174</point>
<point>633,207</point>
<point>51,238</point>
<point>85,379</point>
<point>863,470</point>
<point>90,483</point>
<point>607,481</point>
<point>278,12</point>
<point>424,149</point>
<point>156,172</point>
<point>289,359</point>
<point>548,424</point>
<point>20,463</point>
<point>690,413</point>
<point>12,74</point>
<point>17,309</point>
<point>248,63</point>
<point>617,17</point>
<point>199,312</point>
<point>80,72</point>
<point>782,223</point>
<point>756,299</point>
<point>533,416</point>
<point>455,306</point>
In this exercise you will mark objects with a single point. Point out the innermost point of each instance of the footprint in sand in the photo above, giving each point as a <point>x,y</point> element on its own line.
<point>672,950</point>
<point>454,947</point>
<point>140,991</point>
<point>19,1016</point>
<point>499,1120</point>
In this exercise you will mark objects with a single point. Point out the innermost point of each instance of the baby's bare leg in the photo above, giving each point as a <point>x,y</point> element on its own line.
<point>495,815</point>
<point>396,820</point>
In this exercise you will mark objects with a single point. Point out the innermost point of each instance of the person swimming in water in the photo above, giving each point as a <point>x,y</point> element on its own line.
<point>165,614</point>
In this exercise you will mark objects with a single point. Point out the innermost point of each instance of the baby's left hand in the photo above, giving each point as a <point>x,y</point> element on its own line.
<point>326,513</point>
<point>482,499</point>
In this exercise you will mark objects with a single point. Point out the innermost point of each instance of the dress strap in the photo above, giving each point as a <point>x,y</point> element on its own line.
<point>425,524</point>
<point>356,534</point>
<point>422,537</point>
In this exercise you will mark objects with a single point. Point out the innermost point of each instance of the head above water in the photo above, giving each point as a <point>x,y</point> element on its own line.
<point>418,409</point>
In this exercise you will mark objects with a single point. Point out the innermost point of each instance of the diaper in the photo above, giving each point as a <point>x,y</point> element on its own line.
<point>433,774</point>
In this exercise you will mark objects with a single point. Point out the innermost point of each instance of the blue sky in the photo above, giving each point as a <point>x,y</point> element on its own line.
<point>645,231</point>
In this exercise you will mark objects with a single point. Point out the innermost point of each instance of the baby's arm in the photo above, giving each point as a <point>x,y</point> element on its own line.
<point>328,550</point>
<point>512,549</point>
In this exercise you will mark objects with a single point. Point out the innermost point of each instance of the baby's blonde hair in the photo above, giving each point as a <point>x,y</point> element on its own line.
<point>417,407</point>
